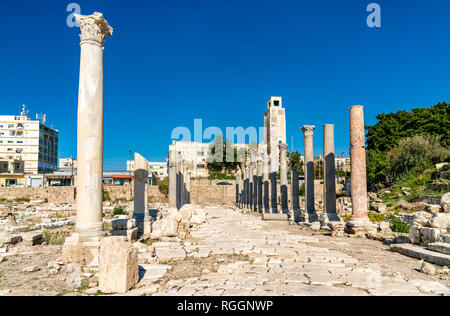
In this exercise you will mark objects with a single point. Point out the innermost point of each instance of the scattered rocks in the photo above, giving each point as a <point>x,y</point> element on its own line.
<point>427,268</point>
<point>30,269</point>
<point>445,202</point>
<point>441,220</point>
<point>166,227</point>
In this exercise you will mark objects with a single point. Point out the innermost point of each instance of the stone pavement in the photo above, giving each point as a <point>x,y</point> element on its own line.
<point>276,263</point>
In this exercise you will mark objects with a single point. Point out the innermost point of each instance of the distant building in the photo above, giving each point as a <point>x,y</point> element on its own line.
<point>197,155</point>
<point>11,172</point>
<point>68,163</point>
<point>157,169</point>
<point>30,141</point>
<point>275,129</point>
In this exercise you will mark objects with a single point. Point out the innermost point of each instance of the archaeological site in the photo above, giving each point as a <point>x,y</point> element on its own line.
<point>322,197</point>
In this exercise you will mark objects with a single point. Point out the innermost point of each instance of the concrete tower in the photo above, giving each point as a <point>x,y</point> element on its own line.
<point>275,127</point>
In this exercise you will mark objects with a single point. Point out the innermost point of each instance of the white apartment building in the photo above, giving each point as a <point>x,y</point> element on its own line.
<point>159,169</point>
<point>30,141</point>
<point>197,154</point>
<point>67,163</point>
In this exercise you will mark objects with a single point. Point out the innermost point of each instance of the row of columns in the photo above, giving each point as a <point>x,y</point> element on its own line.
<point>254,194</point>
<point>179,180</point>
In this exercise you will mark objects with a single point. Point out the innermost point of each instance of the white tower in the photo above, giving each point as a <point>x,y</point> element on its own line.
<point>275,128</point>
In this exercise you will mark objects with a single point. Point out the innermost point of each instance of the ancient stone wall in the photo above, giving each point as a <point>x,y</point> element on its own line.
<point>67,194</point>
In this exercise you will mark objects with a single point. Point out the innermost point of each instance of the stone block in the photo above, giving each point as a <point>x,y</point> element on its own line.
<point>441,247</point>
<point>123,224</point>
<point>441,221</point>
<point>118,265</point>
<point>422,254</point>
<point>32,238</point>
<point>361,227</point>
<point>130,234</point>
<point>198,217</point>
<point>166,227</point>
<point>445,202</point>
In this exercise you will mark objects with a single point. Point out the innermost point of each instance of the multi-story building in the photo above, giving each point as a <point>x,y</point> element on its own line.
<point>11,172</point>
<point>275,129</point>
<point>68,163</point>
<point>197,155</point>
<point>157,169</point>
<point>30,141</point>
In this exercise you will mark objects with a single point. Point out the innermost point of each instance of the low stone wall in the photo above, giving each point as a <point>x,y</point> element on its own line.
<point>52,194</point>
<point>204,194</point>
<point>67,194</point>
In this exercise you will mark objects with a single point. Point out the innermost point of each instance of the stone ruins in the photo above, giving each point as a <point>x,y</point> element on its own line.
<point>262,237</point>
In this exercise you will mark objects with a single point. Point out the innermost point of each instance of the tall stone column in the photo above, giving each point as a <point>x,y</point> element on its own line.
<point>360,222</point>
<point>83,245</point>
<point>266,184</point>
<point>140,212</point>
<point>329,173</point>
<point>295,196</point>
<point>273,187</point>
<point>251,185</point>
<point>246,186</point>
<point>283,179</point>
<point>260,185</point>
<point>238,184</point>
<point>172,179</point>
<point>310,212</point>
<point>179,161</point>
<point>188,184</point>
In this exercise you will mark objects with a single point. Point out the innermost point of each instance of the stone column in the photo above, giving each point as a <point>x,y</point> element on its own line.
<point>140,212</point>
<point>260,185</point>
<point>273,187</point>
<point>283,179</point>
<point>310,212</point>
<point>172,179</point>
<point>251,185</point>
<point>246,186</point>
<point>179,180</point>
<point>238,184</point>
<point>360,222</point>
<point>266,184</point>
<point>329,173</point>
<point>188,184</point>
<point>83,245</point>
<point>295,196</point>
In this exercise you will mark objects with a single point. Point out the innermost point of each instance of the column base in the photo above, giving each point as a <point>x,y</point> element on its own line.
<point>294,215</point>
<point>332,217</point>
<point>144,224</point>
<point>309,217</point>
<point>275,217</point>
<point>83,249</point>
<point>360,226</point>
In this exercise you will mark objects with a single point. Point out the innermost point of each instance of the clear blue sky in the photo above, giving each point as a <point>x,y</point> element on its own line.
<point>170,62</point>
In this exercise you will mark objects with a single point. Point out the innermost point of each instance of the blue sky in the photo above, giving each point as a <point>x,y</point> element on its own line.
<point>170,62</point>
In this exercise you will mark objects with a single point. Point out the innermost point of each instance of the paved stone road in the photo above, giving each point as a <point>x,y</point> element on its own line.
<point>279,263</point>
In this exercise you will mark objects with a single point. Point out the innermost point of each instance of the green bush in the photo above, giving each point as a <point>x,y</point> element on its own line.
<point>377,218</point>
<point>22,199</point>
<point>302,189</point>
<point>413,156</point>
<point>220,176</point>
<point>163,186</point>
<point>398,226</point>
<point>119,210</point>
<point>106,197</point>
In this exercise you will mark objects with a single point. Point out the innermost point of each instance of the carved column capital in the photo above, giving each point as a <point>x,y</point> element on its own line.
<point>308,130</point>
<point>93,28</point>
